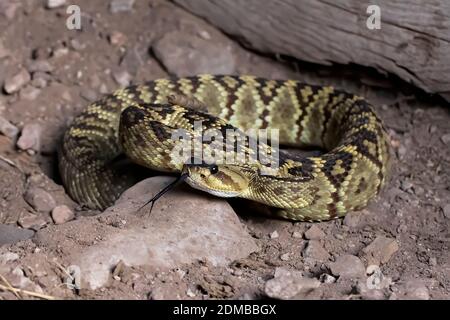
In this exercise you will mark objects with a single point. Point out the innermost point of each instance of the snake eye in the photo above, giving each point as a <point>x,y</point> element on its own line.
<point>214,169</point>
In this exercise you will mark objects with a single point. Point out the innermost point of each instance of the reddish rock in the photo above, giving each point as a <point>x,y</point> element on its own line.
<point>62,214</point>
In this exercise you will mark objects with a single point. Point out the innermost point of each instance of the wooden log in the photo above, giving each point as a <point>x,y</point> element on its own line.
<point>413,41</point>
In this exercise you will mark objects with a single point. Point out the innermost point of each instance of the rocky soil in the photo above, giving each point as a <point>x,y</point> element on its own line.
<point>192,245</point>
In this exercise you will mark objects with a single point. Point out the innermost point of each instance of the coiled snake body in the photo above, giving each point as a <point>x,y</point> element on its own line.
<point>139,121</point>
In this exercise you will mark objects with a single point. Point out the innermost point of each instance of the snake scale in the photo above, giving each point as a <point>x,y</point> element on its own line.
<point>138,121</point>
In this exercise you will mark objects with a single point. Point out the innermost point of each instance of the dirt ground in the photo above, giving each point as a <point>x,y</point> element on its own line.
<point>61,71</point>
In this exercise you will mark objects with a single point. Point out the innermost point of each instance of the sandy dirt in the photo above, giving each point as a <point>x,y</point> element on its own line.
<point>404,231</point>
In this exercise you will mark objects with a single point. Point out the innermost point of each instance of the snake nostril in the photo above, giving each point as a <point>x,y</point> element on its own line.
<point>202,176</point>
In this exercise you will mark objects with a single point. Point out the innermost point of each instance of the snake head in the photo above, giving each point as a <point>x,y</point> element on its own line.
<point>220,180</point>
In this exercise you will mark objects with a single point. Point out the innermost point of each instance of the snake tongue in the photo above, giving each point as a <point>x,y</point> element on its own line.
<point>166,189</point>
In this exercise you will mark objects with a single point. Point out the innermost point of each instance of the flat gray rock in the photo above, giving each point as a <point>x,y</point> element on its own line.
<point>183,227</point>
<point>10,234</point>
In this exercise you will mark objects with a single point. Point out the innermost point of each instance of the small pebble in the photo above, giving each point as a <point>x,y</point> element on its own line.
<point>157,294</point>
<point>8,129</point>
<point>32,221</point>
<point>406,185</point>
<point>348,266</point>
<point>238,272</point>
<point>432,129</point>
<point>9,9</point>
<point>3,51</point>
<point>247,296</point>
<point>415,289</point>
<point>190,294</point>
<point>326,278</point>
<point>76,45</point>
<point>103,89</point>
<point>51,4</point>
<point>41,53</point>
<point>367,293</point>
<point>180,273</point>
<point>42,75</point>
<point>380,250</point>
<point>62,214</point>
<point>287,284</point>
<point>401,152</point>
<point>60,52</point>
<point>30,137</point>
<point>16,82</point>
<point>40,66</point>
<point>314,250</point>
<point>204,35</point>
<point>376,279</point>
<point>446,210</point>
<point>29,93</point>
<point>285,257</point>
<point>88,94</point>
<point>8,257</point>
<point>402,228</point>
<point>297,234</point>
<point>123,78</point>
<point>432,261</point>
<point>20,280</point>
<point>38,82</point>
<point>274,235</point>
<point>314,233</point>
<point>121,5</point>
<point>446,138</point>
<point>352,219</point>
<point>339,236</point>
<point>117,38</point>
<point>40,199</point>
